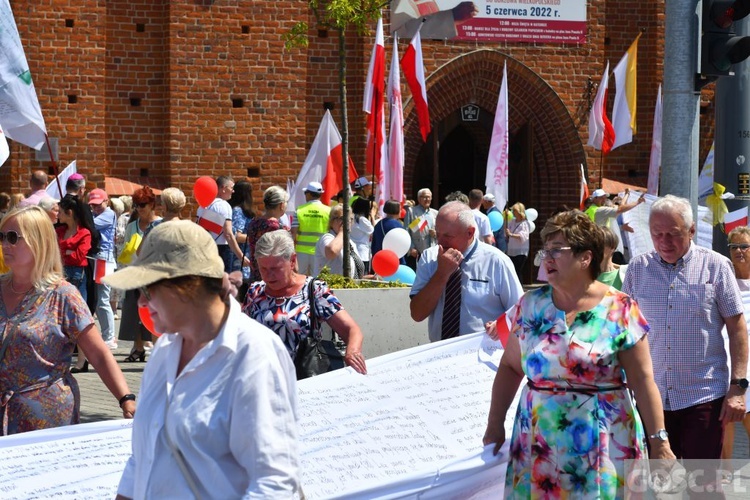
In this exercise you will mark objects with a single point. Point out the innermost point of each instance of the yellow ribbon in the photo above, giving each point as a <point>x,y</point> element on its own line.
<point>716,204</point>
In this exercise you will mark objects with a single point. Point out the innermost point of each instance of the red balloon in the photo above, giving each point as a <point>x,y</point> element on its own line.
<point>385,262</point>
<point>146,320</point>
<point>205,190</point>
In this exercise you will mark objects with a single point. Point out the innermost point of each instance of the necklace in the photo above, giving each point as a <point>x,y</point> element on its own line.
<point>12,288</point>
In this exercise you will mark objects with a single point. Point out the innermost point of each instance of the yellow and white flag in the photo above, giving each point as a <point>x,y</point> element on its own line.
<point>623,111</point>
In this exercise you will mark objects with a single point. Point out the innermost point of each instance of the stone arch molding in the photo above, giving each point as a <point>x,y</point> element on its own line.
<point>475,78</point>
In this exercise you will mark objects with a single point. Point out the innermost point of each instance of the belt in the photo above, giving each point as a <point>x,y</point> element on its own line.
<point>576,390</point>
<point>6,396</point>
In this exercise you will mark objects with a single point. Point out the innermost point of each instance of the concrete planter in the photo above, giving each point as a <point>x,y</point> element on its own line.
<point>383,315</point>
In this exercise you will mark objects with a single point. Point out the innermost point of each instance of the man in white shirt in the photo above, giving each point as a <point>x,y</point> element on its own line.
<point>483,222</point>
<point>223,237</point>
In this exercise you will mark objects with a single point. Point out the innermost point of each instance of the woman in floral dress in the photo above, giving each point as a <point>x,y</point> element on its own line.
<point>575,424</point>
<point>42,318</point>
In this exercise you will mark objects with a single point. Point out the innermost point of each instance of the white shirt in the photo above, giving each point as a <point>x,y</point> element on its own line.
<point>231,412</point>
<point>220,207</point>
<point>483,223</point>
<point>360,236</point>
<point>336,264</point>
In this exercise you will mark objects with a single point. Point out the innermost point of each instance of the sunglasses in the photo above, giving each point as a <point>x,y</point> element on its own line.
<point>11,236</point>
<point>142,205</point>
<point>144,291</point>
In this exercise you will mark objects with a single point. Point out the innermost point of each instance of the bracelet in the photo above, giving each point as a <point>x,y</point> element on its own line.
<point>127,397</point>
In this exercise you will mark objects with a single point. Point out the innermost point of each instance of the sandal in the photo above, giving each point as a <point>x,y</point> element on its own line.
<point>136,356</point>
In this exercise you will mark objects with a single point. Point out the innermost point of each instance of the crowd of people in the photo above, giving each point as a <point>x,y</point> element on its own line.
<point>620,358</point>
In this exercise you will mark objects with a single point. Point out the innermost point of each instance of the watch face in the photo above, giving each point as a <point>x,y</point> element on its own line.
<point>743,383</point>
<point>662,434</point>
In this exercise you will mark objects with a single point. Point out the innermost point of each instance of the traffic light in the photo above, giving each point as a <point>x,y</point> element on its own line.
<point>720,45</point>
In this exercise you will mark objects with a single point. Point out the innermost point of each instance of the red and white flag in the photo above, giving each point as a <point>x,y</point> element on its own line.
<point>505,325</point>
<point>324,164</point>
<point>736,218</point>
<point>374,106</point>
<point>601,133</point>
<point>496,179</point>
<point>211,221</point>
<point>395,174</point>
<point>102,268</point>
<point>413,67</point>
<point>654,165</point>
<point>584,189</point>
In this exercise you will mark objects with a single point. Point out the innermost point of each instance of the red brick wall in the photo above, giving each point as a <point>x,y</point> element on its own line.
<point>193,57</point>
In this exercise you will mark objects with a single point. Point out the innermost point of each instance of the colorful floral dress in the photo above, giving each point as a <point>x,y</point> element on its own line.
<point>289,317</point>
<point>35,379</point>
<point>574,443</point>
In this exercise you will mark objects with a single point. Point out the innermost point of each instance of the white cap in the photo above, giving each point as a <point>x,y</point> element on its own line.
<point>313,187</point>
<point>361,182</point>
<point>599,193</point>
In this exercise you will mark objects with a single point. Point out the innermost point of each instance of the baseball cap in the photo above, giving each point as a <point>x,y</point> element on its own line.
<point>361,182</point>
<point>489,197</point>
<point>313,187</point>
<point>599,193</point>
<point>172,250</point>
<point>97,196</point>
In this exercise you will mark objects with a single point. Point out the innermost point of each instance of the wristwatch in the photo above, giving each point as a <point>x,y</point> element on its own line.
<point>661,435</point>
<point>742,382</point>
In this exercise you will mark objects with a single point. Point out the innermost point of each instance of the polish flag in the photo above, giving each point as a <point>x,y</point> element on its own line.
<point>374,106</point>
<point>601,133</point>
<point>623,111</point>
<point>654,165</point>
<point>413,67</point>
<point>395,178</point>
<point>584,189</point>
<point>102,268</point>
<point>735,219</point>
<point>505,325</point>
<point>211,221</point>
<point>324,164</point>
<point>496,177</point>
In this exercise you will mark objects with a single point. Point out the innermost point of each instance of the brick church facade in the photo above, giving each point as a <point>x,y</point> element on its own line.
<point>163,92</point>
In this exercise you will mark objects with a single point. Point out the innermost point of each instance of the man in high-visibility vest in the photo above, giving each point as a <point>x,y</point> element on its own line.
<point>602,214</point>
<point>309,225</point>
<point>362,189</point>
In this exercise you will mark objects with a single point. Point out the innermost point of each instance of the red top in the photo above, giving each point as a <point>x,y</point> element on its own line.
<point>79,243</point>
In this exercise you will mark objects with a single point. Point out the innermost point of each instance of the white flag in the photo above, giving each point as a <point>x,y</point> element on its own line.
<point>63,176</point>
<point>20,113</point>
<point>654,165</point>
<point>496,179</point>
<point>396,138</point>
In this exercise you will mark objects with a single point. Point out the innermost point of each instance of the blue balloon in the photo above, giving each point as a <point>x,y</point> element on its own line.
<point>496,221</point>
<point>405,275</point>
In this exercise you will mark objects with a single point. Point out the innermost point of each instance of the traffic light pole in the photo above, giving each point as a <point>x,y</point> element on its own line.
<point>732,136</point>
<point>680,137</point>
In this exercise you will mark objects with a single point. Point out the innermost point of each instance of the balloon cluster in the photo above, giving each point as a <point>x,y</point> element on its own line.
<point>497,221</point>
<point>386,262</point>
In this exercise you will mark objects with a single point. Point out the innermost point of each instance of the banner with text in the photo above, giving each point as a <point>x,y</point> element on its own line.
<point>557,22</point>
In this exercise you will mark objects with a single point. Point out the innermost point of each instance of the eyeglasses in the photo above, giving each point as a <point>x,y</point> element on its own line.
<point>742,247</point>
<point>144,291</point>
<point>10,236</point>
<point>552,253</point>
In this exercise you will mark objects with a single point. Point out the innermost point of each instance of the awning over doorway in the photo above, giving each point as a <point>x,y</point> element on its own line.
<point>115,186</point>
<point>614,187</point>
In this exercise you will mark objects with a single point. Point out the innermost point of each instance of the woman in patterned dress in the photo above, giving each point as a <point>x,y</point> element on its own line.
<point>281,300</point>
<point>575,424</point>
<point>42,318</point>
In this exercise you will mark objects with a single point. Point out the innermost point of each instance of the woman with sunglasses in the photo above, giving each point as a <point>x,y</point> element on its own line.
<point>218,401</point>
<point>42,318</point>
<point>131,328</point>
<point>739,252</point>
<point>576,423</point>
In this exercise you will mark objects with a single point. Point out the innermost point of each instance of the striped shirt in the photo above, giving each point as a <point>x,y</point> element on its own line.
<point>685,304</point>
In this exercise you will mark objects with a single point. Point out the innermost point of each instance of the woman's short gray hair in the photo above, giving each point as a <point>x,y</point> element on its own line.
<point>117,205</point>
<point>274,196</point>
<point>173,200</point>
<point>674,205</point>
<point>47,203</point>
<point>127,202</point>
<point>277,243</point>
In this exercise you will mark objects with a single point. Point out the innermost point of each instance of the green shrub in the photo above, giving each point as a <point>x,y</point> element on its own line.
<point>339,282</point>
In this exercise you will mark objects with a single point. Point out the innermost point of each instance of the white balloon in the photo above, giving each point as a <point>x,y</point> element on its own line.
<point>533,226</point>
<point>398,241</point>
<point>531,214</point>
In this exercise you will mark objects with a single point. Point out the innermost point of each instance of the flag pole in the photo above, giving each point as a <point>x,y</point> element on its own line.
<point>54,165</point>
<point>601,168</point>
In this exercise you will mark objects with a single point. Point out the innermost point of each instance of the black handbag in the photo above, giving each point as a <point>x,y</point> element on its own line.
<point>316,356</point>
